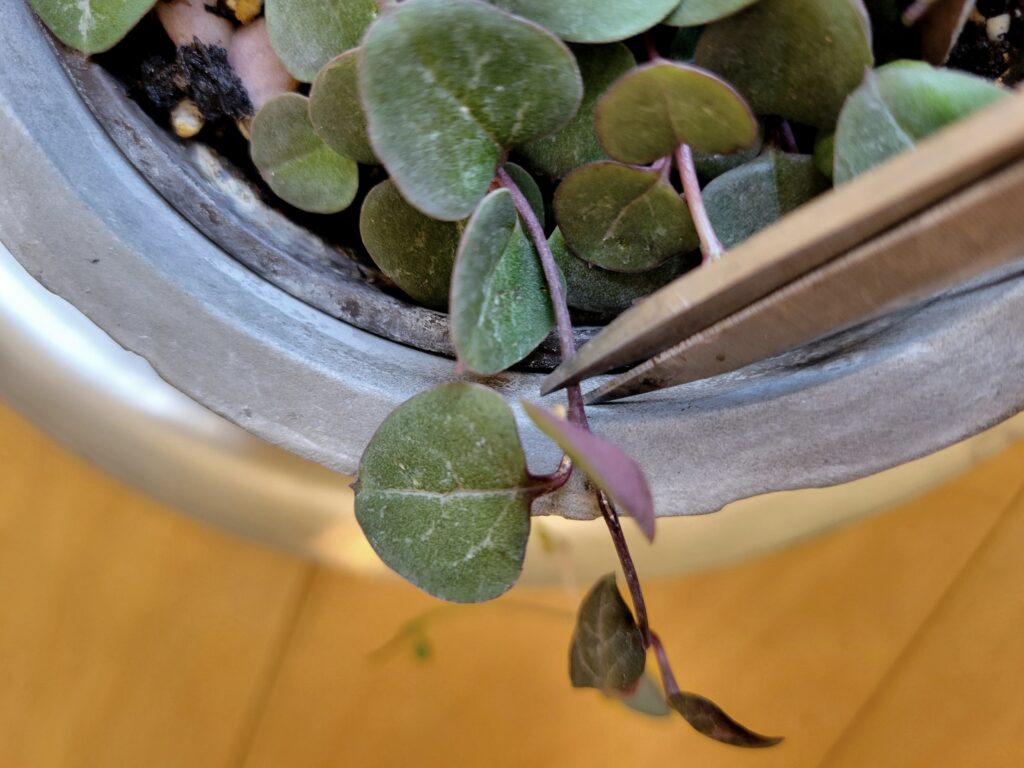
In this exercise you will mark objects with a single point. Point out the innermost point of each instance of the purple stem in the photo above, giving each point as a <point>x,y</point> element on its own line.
<point>710,245</point>
<point>668,679</point>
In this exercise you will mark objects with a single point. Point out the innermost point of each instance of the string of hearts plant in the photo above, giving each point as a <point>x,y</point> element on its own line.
<point>441,94</point>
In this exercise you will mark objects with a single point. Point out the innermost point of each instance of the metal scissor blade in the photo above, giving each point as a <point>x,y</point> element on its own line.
<point>966,235</point>
<point>806,239</point>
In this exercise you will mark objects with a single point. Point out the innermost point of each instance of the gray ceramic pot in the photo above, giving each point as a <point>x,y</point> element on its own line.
<point>88,225</point>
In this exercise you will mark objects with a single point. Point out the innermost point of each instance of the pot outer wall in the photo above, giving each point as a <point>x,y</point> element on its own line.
<point>85,224</point>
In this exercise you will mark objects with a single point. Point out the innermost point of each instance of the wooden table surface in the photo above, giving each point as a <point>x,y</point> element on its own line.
<point>131,637</point>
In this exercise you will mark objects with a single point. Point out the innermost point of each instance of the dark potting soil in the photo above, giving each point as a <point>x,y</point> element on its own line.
<point>1001,60</point>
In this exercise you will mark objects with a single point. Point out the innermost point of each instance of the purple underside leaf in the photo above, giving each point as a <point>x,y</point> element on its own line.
<point>708,718</point>
<point>604,463</point>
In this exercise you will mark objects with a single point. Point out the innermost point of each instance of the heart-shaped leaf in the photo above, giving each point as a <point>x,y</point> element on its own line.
<point>798,59</point>
<point>648,112</point>
<point>91,26</point>
<point>607,465</point>
<point>441,496</point>
<point>415,251</point>
<point>605,293</point>
<point>296,163</point>
<point>621,218</point>
<point>500,306</point>
<point>592,21</point>
<point>306,34</point>
<point>708,718</point>
<point>337,111</point>
<point>898,105</point>
<point>711,165</point>
<point>448,85</point>
<point>607,650</point>
<point>824,154</point>
<point>749,198</point>
<point>528,186</point>
<point>647,699</point>
<point>695,13</point>
<point>576,144</point>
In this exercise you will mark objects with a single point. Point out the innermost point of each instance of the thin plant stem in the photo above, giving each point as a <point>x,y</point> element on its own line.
<point>668,679</point>
<point>568,348</point>
<point>916,11</point>
<point>710,246</point>
<point>566,342</point>
<point>611,519</point>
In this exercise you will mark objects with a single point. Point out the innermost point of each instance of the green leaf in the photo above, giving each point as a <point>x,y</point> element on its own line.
<point>607,650</point>
<point>296,163</point>
<point>753,196</point>
<point>711,165</point>
<point>607,466</point>
<point>576,144</point>
<point>415,251</point>
<point>528,186</point>
<point>695,13</point>
<point>597,290</point>
<point>306,34</point>
<point>337,111</point>
<point>708,718</point>
<point>650,111</point>
<point>621,218</point>
<point>647,699</point>
<point>448,85</point>
<point>500,306</point>
<point>91,26</point>
<point>900,104</point>
<point>798,59</point>
<point>592,21</point>
<point>442,493</point>
<point>684,45</point>
<point>824,154</point>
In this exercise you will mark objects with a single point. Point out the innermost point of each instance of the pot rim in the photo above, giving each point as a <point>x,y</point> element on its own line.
<point>832,411</point>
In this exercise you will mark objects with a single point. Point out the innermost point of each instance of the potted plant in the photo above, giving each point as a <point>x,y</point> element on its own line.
<point>449,90</point>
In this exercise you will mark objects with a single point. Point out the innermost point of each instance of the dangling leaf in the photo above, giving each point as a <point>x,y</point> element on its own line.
<point>306,34</point>
<point>296,163</point>
<point>647,699</point>
<point>442,496</point>
<point>576,144</point>
<point>605,293</point>
<point>797,59</point>
<point>900,104</point>
<point>607,466</point>
<point>500,305</point>
<point>448,85</point>
<point>696,13</point>
<point>621,218</point>
<point>91,26</point>
<point>592,21</point>
<point>708,718</point>
<point>607,650</point>
<point>749,198</point>
<point>337,111</point>
<point>415,251</point>
<point>651,110</point>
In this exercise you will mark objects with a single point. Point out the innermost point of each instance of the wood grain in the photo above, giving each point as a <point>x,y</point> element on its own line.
<point>792,644</point>
<point>129,635</point>
<point>133,637</point>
